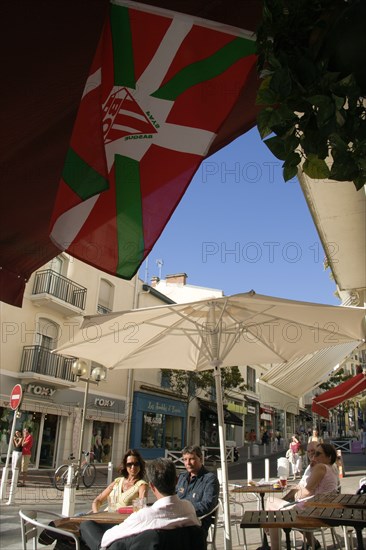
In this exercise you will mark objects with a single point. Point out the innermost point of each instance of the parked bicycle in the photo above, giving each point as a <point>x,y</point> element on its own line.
<point>87,473</point>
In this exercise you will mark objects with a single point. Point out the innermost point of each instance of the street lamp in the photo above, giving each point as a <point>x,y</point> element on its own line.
<point>96,374</point>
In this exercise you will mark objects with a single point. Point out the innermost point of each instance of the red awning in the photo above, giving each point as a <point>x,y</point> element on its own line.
<point>331,398</point>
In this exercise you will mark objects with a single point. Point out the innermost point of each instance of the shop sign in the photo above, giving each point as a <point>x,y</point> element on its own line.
<point>251,409</point>
<point>40,391</point>
<point>159,407</point>
<point>101,402</point>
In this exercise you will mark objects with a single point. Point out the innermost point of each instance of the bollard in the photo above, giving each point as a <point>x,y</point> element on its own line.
<point>248,453</point>
<point>68,503</point>
<point>4,481</point>
<point>249,472</point>
<point>14,484</point>
<point>266,469</point>
<point>110,473</point>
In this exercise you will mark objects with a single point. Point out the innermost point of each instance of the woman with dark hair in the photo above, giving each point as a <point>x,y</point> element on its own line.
<point>123,490</point>
<point>321,479</point>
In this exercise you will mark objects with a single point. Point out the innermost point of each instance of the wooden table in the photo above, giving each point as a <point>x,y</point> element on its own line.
<point>72,524</point>
<point>339,501</point>
<point>279,519</point>
<point>259,491</point>
<point>338,516</point>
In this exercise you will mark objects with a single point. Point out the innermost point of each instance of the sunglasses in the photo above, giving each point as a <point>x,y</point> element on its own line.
<point>130,464</point>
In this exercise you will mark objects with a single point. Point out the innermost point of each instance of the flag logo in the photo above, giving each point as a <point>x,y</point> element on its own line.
<point>122,116</point>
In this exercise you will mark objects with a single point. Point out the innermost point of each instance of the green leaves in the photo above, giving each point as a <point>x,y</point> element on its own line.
<point>312,110</point>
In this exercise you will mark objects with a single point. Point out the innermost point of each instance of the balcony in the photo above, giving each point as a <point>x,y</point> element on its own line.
<point>38,363</point>
<point>59,293</point>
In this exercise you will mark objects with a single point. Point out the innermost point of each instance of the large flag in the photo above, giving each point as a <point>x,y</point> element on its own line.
<point>159,89</point>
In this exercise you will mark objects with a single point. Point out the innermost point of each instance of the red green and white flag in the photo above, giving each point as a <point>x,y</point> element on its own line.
<point>159,89</point>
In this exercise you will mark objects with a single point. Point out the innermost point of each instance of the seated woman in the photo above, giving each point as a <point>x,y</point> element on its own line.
<point>321,478</point>
<point>123,490</point>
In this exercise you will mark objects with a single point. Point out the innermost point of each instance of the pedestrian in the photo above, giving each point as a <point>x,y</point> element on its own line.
<point>295,456</point>
<point>27,445</point>
<point>17,450</point>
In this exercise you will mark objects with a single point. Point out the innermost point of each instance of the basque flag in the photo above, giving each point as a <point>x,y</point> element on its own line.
<point>159,89</point>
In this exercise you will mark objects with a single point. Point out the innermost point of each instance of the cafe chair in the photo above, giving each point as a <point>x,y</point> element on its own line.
<point>30,526</point>
<point>236,509</point>
<point>181,538</point>
<point>211,537</point>
<point>319,532</point>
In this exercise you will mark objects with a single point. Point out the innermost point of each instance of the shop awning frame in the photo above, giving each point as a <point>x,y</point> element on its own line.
<point>229,417</point>
<point>335,396</point>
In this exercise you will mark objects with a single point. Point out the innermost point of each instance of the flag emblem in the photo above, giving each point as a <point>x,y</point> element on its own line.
<point>123,117</point>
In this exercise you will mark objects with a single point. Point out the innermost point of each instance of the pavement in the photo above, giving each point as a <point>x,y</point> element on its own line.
<point>39,494</point>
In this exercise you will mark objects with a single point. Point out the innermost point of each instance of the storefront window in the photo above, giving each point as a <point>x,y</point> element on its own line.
<point>152,430</point>
<point>101,443</point>
<point>173,427</point>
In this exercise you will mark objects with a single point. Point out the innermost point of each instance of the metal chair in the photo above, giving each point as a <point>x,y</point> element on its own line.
<point>30,526</point>
<point>214,513</point>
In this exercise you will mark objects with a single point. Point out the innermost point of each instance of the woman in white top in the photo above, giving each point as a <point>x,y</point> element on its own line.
<point>123,490</point>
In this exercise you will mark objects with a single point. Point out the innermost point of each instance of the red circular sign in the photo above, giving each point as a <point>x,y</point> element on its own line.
<point>16,396</point>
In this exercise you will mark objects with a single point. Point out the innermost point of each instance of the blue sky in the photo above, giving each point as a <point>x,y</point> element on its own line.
<point>239,227</point>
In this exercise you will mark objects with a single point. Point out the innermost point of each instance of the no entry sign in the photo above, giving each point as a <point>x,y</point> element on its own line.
<point>16,396</point>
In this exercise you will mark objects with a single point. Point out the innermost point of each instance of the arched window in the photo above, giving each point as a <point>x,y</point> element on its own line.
<point>105,298</point>
<point>47,334</point>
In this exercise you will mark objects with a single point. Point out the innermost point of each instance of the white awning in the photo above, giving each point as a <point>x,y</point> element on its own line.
<point>300,376</point>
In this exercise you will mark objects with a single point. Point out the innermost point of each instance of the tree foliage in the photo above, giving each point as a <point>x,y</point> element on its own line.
<point>311,57</point>
<point>189,384</point>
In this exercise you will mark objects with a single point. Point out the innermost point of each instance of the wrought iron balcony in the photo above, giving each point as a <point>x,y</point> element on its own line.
<point>40,360</point>
<point>102,309</point>
<point>59,292</point>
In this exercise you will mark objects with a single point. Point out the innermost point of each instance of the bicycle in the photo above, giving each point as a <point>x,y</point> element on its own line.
<point>87,473</point>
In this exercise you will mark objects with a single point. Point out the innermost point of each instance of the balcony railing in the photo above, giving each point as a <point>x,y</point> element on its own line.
<point>102,309</point>
<point>50,282</point>
<point>41,361</point>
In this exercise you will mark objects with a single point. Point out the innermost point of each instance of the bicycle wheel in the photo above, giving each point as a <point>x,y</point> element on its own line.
<point>89,474</point>
<point>60,477</point>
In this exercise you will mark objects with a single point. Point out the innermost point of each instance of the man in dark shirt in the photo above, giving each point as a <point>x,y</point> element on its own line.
<point>198,485</point>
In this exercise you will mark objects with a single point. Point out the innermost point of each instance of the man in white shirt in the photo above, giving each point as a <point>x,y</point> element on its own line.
<point>168,512</point>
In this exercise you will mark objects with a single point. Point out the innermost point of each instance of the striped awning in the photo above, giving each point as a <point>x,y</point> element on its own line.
<point>301,375</point>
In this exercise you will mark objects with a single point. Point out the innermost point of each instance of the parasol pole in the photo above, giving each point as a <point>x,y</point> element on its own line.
<point>216,363</point>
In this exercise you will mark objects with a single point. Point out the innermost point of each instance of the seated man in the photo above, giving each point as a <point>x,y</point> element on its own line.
<point>198,485</point>
<point>168,512</point>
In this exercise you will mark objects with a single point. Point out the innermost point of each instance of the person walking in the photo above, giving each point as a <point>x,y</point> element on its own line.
<point>295,456</point>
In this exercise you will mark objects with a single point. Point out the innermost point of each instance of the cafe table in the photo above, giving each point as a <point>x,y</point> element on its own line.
<point>339,510</point>
<point>279,519</point>
<point>72,524</point>
<point>259,491</point>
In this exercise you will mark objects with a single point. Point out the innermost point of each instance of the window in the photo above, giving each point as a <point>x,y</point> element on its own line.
<point>105,298</point>
<point>251,379</point>
<point>47,334</point>
<point>152,430</point>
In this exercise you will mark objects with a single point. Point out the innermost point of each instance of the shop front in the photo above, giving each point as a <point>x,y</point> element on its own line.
<point>158,423</point>
<point>266,421</point>
<point>209,434</point>
<point>53,415</point>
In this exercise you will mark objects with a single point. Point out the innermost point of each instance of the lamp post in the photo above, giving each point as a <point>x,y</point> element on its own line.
<point>96,374</point>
